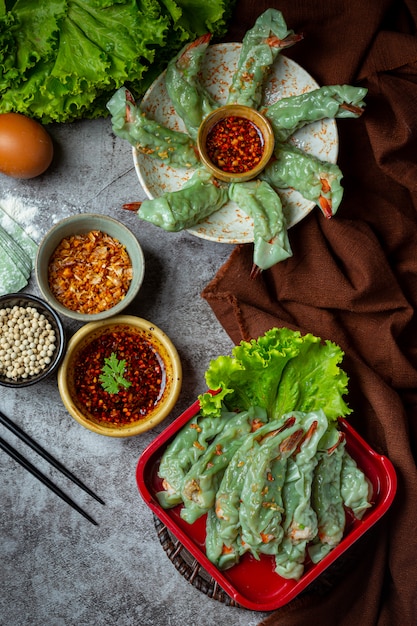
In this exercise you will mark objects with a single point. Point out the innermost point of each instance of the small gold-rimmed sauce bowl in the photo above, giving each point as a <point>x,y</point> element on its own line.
<point>235,143</point>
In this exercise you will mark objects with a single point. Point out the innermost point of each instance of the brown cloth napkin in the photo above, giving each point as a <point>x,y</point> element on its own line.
<point>353,280</point>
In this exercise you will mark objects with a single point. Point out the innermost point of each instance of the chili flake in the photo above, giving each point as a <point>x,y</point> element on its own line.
<point>235,144</point>
<point>144,369</point>
<point>89,273</point>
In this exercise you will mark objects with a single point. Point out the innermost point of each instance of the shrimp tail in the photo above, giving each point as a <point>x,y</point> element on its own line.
<point>287,42</point>
<point>132,206</point>
<point>184,59</point>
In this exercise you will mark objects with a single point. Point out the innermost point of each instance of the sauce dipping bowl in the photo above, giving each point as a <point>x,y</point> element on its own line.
<point>81,225</point>
<point>263,139</point>
<point>36,334</point>
<point>144,356</point>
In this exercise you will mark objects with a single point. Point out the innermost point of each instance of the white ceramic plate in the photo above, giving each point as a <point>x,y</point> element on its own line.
<point>287,78</point>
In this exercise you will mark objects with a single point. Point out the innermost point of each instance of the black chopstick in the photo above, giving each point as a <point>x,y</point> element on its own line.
<point>43,453</point>
<point>44,479</point>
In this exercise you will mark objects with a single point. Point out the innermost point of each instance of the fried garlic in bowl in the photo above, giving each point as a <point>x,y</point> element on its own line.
<point>89,267</point>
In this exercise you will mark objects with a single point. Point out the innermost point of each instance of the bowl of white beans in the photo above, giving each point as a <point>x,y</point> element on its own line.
<point>32,340</point>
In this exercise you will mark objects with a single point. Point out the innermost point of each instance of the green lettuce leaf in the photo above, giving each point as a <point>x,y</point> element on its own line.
<point>212,13</point>
<point>281,371</point>
<point>62,60</point>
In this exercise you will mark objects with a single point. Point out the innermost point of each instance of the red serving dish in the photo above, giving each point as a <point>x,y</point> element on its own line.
<point>251,583</point>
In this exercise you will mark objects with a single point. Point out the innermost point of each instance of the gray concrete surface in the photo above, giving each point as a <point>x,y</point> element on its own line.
<point>56,568</point>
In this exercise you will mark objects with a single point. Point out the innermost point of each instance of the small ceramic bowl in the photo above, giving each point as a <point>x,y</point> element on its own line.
<point>21,355</point>
<point>250,120</point>
<point>145,359</point>
<point>79,225</point>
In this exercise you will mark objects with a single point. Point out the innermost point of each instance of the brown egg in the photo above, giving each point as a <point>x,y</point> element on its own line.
<point>26,148</point>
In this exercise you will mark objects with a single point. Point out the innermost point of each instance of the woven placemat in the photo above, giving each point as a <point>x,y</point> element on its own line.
<point>189,567</point>
<point>195,574</point>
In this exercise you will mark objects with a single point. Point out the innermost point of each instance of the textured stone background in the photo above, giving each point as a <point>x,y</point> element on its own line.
<point>56,568</point>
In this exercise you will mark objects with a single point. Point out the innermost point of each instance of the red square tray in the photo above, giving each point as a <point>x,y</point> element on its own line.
<point>254,584</point>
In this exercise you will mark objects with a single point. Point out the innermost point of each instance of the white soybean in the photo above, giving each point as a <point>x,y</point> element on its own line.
<point>27,342</point>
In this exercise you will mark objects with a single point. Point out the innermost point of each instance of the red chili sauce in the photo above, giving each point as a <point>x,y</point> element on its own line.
<point>144,370</point>
<point>235,145</point>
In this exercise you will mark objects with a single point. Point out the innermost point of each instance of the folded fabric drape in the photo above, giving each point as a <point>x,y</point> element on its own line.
<point>353,280</point>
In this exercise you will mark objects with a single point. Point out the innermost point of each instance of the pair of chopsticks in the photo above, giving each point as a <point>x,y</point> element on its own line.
<point>6,447</point>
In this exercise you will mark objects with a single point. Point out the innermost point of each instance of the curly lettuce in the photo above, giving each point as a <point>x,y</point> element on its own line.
<point>281,371</point>
<point>61,60</point>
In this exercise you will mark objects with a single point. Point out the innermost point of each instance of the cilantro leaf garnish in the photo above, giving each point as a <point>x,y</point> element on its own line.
<point>112,377</point>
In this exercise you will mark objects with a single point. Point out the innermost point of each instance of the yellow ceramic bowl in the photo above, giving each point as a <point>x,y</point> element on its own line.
<point>152,393</point>
<point>257,122</point>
